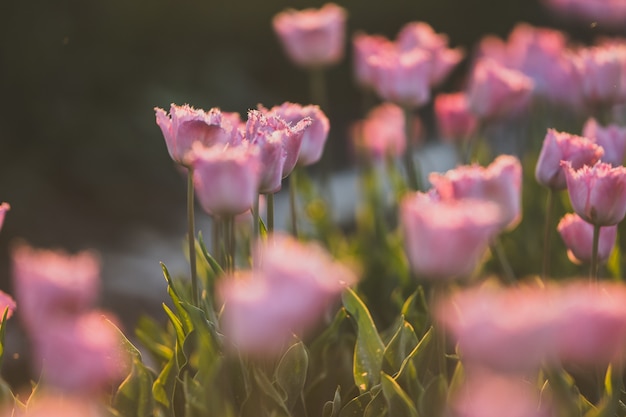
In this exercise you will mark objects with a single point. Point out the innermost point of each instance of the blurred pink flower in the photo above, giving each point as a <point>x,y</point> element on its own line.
<point>4,207</point>
<point>313,137</point>
<point>50,285</point>
<point>612,138</point>
<point>610,13</point>
<point>495,91</point>
<point>598,192</point>
<point>454,118</point>
<point>578,237</point>
<point>420,35</point>
<point>82,354</point>
<point>366,46</point>
<point>382,133</point>
<point>500,182</point>
<point>312,37</point>
<point>601,74</point>
<point>226,179</point>
<point>402,77</point>
<point>6,303</point>
<point>448,238</point>
<point>286,293</point>
<point>57,405</point>
<point>279,145</point>
<point>185,125</point>
<point>561,146</point>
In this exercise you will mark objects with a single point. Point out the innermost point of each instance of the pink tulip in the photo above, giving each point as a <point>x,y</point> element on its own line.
<point>597,193</point>
<point>286,293</point>
<point>402,77</point>
<point>53,284</point>
<point>365,47</point>
<point>561,146</point>
<point>4,207</point>
<point>578,237</point>
<point>454,118</point>
<point>312,37</point>
<point>184,126</point>
<point>420,35</point>
<point>313,137</point>
<point>601,72</point>
<point>81,355</point>
<point>495,91</point>
<point>447,239</point>
<point>610,13</point>
<point>382,133</point>
<point>6,304</point>
<point>226,179</point>
<point>500,182</point>
<point>612,138</point>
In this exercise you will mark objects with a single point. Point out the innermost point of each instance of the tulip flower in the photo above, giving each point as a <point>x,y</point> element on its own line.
<point>578,237</point>
<point>611,13</point>
<point>366,46</point>
<point>4,207</point>
<point>598,192</point>
<point>447,239</point>
<point>612,138</point>
<point>312,38</point>
<point>561,146</point>
<point>601,74</point>
<point>454,118</point>
<point>382,133</point>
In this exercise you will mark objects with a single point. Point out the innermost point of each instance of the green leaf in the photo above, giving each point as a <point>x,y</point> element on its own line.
<point>163,387</point>
<point>398,402</point>
<point>614,264</point>
<point>369,348</point>
<point>332,408</point>
<point>134,395</point>
<point>399,347</point>
<point>3,326</point>
<point>356,406</point>
<point>276,401</point>
<point>291,373</point>
<point>154,339</point>
<point>377,407</point>
<point>432,402</point>
<point>415,311</point>
<point>215,266</point>
<point>183,317</point>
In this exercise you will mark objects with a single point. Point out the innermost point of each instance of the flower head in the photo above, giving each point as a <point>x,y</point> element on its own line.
<point>312,37</point>
<point>611,138</point>
<point>561,146</point>
<point>4,207</point>
<point>366,46</point>
<point>578,237</point>
<point>383,132</point>
<point>597,193</point>
<point>454,118</point>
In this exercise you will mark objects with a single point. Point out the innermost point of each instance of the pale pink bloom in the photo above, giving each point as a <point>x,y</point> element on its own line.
<point>500,182</point>
<point>610,13</point>
<point>83,354</point>
<point>447,239</point>
<point>226,179</point>
<point>286,293</point>
<point>4,207</point>
<point>561,146</point>
<point>313,137</point>
<point>454,118</point>
<point>612,138</point>
<point>489,394</point>
<point>495,91</point>
<point>597,193</point>
<point>53,284</point>
<point>366,46</point>
<point>184,126</point>
<point>421,35</point>
<point>601,74</point>
<point>578,237</point>
<point>402,77</point>
<point>312,37</point>
<point>382,133</point>
<point>6,304</point>
<point>57,405</point>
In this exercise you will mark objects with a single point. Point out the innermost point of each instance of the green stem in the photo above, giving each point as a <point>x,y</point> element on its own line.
<point>255,219</point>
<point>232,246</point>
<point>594,254</point>
<point>547,235</point>
<point>412,173</point>
<point>317,87</point>
<point>270,212</point>
<point>507,270</point>
<point>191,238</point>
<point>292,202</point>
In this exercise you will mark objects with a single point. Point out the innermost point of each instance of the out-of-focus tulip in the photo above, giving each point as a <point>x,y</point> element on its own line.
<point>184,126</point>
<point>454,118</point>
<point>561,146</point>
<point>382,133</point>
<point>578,237</point>
<point>402,77</point>
<point>312,37</point>
<point>612,138</point>
<point>447,239</point>
<point>601,74</point>
<point>495,91</point>
<point>226,179</point>
<point>50,285</point>
<point>597,193</point>
<point>500,182</point>
<point>4,207</point>
<point>610,13</point>
<point>285,294</point>
<point>366,46</point>
<point>57,405</point>
<point>313,137</point>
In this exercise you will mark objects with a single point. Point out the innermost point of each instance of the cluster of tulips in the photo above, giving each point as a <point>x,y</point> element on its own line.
<point>419,307</point>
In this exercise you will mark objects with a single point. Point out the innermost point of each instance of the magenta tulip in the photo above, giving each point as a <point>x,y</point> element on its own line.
<point>578,237</point>
<point>454,118</point>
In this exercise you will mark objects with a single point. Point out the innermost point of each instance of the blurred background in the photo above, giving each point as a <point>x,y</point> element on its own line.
<point>82,161</point>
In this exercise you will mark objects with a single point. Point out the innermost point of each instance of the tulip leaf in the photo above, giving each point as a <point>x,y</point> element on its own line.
<point>399,347</point>
<point>432,402</point>
<point>332,408</point>
<point>398,402</point>
<point>356,406</point>
<point>369,348</point>
<point>614,264</point>
<point>3,327</point>
<point>134,395</point>
<point>377,407</point>
<point>415,311</point>
<point>291,373</point>
<point>215,266</point>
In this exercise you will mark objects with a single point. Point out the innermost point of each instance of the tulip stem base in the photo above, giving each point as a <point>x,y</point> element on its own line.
<point>292,202</point>
<point>547,235</point>
<point>412,173</point>
<point>507,270</point>
<point>192,239</point>
<point>270,212</point>
<point>594,254</point>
